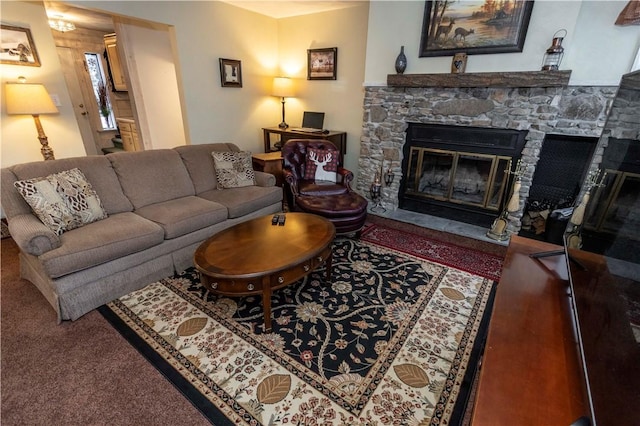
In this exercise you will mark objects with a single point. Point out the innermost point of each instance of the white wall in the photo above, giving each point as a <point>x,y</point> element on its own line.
<point>151,63</point>
<point>19,142</point>
<point>340,99</point>
<point>206,31</point>
<point>595,49</point>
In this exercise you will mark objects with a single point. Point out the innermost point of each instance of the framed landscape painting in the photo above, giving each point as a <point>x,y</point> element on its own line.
<point>322,64</point>
<point>17,47</point>
<point>474,27</point>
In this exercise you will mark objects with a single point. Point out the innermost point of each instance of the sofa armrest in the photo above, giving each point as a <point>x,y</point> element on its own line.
<point>265,179</point>
<point>31,235</point>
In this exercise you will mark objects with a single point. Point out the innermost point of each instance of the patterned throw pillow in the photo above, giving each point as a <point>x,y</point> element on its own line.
<point>234,169</point>
<point>62,201</point>
<point>321,165</point>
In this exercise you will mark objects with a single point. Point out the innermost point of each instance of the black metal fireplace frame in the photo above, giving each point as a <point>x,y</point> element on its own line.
<point>479,140</point>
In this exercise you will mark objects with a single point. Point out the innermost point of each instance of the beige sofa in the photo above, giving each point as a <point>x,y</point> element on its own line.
<point>160,205</point>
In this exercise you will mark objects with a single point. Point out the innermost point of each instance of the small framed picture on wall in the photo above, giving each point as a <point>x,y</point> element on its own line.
<point>17,47</point>
<point>322,64</point>
<point>230,73</point>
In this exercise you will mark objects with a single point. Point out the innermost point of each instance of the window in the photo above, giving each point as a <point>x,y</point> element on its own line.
<point>99,83</point>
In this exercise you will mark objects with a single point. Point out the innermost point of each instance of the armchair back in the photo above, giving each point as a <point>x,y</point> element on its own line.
<point>294,154</point>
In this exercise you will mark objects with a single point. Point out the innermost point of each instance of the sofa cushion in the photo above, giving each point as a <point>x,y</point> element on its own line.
<point>62,201</point>
<point>199,162</point>
<point>183,215</point>
<point>99,242</point>
<point>233,169</point>
<point>326,159</point>
<point>96,168</point>
<point>245,200</point>
<point>150,177</point>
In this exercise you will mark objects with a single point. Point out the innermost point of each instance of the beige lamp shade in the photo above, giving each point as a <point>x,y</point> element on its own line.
<point>283,87</point>
<point>26,98</point>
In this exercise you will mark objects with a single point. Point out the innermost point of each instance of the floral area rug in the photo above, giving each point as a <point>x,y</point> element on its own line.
<point>387,342</point>
<point>485,264</point>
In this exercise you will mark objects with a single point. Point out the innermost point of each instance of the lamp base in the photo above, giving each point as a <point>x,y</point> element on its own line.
<point>283,125</point>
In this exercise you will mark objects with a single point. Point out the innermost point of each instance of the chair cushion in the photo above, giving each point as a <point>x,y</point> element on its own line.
<point>199,162</point>
<point>153,176</point>
<point>99,242</point>
<point>321,164</point>
<point>319,188</point>
<point>234,169</point>
<point>242,201</point>
<point>184,215</point>
<point>97,169</point>
<point>344,205</point>
<point>62,201</point>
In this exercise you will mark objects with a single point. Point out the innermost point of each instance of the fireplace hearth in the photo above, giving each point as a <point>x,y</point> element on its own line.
<point>458,172</point>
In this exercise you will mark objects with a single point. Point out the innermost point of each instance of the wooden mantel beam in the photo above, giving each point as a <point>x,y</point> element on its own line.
<point>482,79</point>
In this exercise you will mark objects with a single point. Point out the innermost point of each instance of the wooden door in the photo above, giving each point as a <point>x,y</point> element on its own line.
<point>71,47</point>
<point>78,101</point>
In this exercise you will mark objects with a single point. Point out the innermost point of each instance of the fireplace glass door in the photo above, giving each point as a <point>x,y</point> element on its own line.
<point>615,204</point>
<point>459,177</point>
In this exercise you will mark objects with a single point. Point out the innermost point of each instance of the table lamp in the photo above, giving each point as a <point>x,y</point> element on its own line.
<point>282,87</point>
<point>32,99</point>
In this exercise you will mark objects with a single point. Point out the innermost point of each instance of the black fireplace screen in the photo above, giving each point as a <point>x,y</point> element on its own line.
<point>458,172</point>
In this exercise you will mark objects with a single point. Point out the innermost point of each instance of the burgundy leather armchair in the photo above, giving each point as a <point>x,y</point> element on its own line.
<point>317,183</point>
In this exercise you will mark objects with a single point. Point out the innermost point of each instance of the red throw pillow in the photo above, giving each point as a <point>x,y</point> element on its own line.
<point>321,165</point>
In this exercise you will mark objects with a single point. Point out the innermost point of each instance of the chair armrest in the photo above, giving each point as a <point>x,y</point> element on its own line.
<point>31,235</point>
<point>264,179</point>
<point>291,180</point>
<point>347,176</point>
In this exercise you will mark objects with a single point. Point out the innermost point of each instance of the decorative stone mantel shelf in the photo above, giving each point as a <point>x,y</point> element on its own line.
<point>482,79</point>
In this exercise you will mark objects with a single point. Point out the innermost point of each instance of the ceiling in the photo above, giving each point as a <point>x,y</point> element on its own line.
<point>288,8</point>
<point>274,8</point>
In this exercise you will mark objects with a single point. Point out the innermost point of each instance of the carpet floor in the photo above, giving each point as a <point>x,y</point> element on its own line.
<point>81,372</point>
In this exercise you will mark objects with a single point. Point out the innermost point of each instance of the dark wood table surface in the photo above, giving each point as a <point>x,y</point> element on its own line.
<point>531,373</point>
<point>256,257</point>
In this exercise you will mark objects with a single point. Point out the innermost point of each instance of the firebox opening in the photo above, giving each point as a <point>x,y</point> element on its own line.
<point>458,172</point>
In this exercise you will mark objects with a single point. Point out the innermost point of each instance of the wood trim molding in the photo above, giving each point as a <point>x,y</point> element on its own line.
<point>483,79</point>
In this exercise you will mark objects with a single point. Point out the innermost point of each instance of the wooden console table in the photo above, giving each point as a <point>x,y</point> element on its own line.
<point>531,372</point>
<point>273,135</point>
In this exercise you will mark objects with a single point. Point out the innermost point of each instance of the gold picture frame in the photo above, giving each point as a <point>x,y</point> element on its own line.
<point>17,47</point>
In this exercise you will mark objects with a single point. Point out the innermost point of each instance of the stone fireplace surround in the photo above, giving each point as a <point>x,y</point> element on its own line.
<point>539,102</point>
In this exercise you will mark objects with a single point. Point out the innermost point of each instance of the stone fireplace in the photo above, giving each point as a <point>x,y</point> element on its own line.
<point>533,104</point>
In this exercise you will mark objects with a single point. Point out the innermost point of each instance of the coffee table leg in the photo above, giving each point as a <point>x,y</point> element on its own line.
<point>329,263</point>
<point>266,302</point>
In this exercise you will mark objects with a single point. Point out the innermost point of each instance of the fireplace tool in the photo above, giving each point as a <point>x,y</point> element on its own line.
<point>376,189</point>
<point>594,179</point>
<point>376,195</point>
<point>498,229</point>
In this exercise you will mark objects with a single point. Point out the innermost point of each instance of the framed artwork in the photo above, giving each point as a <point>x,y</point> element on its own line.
<point>322,64</point>
<point>230,73</point>
<point>474,27</point>
<point>17,47</point>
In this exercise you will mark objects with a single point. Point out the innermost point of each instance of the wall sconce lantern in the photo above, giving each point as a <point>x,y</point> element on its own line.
<point>553,55</point>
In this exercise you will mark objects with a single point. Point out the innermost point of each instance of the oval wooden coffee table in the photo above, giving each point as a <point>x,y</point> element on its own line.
<point>256,257</point>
